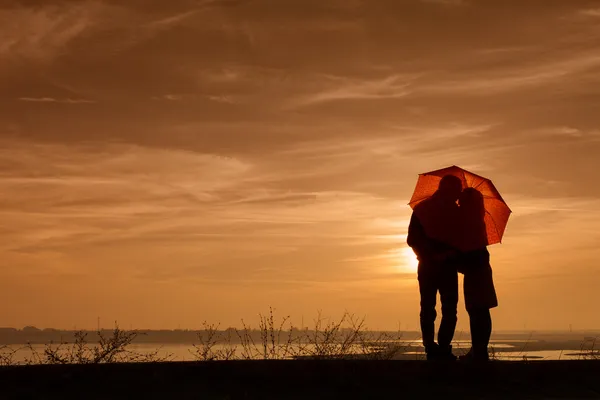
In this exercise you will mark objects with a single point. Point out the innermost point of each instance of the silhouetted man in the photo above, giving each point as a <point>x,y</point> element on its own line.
<point>433,220</point>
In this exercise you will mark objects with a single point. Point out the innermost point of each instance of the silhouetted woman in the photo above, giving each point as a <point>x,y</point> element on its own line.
<point>479,291</point>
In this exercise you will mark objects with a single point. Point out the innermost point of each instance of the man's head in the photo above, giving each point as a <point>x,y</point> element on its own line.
<point>450,188</point>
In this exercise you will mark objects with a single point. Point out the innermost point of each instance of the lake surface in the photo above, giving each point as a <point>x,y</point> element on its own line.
<point>411,349</point>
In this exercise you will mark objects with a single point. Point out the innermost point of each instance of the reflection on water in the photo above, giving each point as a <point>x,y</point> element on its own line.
<point>409,349</point>
<point>522,355</point>
<point>171,352</point>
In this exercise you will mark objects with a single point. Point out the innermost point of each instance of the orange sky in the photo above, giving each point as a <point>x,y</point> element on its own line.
<point>165,163</point>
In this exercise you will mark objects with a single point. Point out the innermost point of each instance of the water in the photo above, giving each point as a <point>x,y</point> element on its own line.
<point>525,355</point>
<point>504,350</point>
<point>513,350</point>
<point>170,351</point>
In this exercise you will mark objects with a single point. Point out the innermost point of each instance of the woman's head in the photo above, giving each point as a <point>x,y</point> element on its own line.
<point>473,199</point>
<point>473,225</point>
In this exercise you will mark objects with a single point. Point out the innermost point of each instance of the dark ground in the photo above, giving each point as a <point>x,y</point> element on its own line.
<point>305,379</point>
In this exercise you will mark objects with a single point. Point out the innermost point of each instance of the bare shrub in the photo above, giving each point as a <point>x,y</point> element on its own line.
<point>209,338</point>
<point>273,343</point>
<point>109,349</point>
<point>273,339</point>
<point>7,355</point>
<point>591,352</point>
<point>347,338</point>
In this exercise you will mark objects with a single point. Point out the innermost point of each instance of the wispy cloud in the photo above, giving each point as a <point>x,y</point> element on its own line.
<point>446,2</point>
<point>568,132</point>
<point>145,31</point>
<point>394,141</point>
<point>515,78</point>
<point>179,97</point>
<point>221,99</point>
<point>170,97</point>
<point>54,100</point>
<point>391,87</point>
<point>552,231</point>
<point>43,33</point>
<point>565,131</point>
<point>271,148</point>
<point>172,20</point>
<point>120,183</point>
<point>591,12</point>
<point>131,196</point>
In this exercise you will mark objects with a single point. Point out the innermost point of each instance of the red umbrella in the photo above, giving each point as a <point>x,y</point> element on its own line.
<point>496,210</point>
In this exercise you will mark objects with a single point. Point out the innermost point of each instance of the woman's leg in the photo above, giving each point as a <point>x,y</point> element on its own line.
<point>486,330</point>
<point>480,321</point>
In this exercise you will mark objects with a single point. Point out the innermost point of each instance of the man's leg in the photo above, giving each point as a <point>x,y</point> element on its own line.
<point>428,291</point>
<point>449,299</point>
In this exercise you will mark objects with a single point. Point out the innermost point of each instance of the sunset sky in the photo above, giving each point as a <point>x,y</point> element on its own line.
<point>168,162</point>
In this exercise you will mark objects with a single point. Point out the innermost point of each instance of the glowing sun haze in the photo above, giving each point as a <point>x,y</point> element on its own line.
<point>165,163</point>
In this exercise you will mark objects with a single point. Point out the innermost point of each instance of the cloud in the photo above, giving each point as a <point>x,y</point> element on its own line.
<point>394,141</point>
<point>122,183</point>
<point>172,97</point>
<point>53,100</point>
<point>228,74</point>
<point>551,230</point>
<point>528,205</point>
<point>446,2</point>
<point>43,33</point>
<point>515,78</point>
<point>391,87</point>
<point>172,20</point>
<point>104,174</point>
<point>178,205</point>
<point>276,147</point>
<point>144,31</point>
<point>222,99</point>
<point>512,50</point>
<point>568,132</point>
<point>565,131</point>
<point>591,12</point>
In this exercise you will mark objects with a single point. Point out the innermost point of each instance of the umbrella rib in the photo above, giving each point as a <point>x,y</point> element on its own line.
<point>495,225</point>
<point>419,199</point>
<point>479,184</point>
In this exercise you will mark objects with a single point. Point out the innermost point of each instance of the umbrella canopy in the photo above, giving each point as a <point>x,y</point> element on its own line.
<point>496,209</point>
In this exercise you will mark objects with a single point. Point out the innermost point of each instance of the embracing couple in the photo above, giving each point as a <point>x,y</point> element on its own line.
<point>447,232</point>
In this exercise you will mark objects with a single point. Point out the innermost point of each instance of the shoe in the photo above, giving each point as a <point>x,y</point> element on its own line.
<point>432,351</point>
<point>472,355</point>
<point>435,352</point>
<point>445,353</point>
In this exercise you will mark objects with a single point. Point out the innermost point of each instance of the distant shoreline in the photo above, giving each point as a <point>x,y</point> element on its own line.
<point>12,336</point>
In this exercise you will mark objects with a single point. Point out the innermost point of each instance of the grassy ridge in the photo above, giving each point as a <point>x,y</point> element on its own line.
<point>300,379</point>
